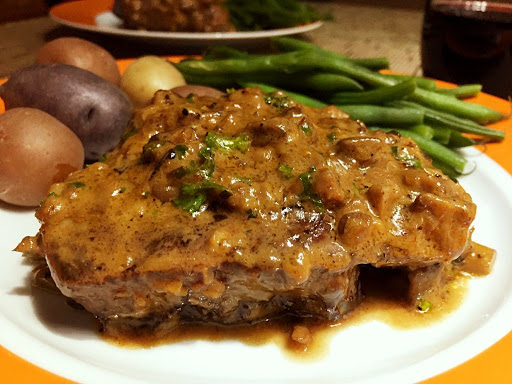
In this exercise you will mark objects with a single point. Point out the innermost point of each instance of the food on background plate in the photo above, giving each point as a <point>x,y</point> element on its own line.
<point>247,207</point>
<point>82,54</point>
<point>214,15</point>
<point>97,111</point>
<point>147,75</point>
<point>36,151</point>
<point>174,15</point>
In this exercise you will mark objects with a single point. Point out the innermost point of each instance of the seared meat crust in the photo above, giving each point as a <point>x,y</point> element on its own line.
<point>289,205</point>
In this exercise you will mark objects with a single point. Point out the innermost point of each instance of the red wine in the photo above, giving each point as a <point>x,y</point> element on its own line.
<point>469,42</point>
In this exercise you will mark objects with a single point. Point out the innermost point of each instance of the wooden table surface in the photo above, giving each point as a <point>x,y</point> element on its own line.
<point>358,30</point>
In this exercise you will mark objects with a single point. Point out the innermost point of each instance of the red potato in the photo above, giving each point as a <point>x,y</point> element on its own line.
<point>36,150</point>
<point>82,54</point>
<point>197,90</point>
<point>97,111</point>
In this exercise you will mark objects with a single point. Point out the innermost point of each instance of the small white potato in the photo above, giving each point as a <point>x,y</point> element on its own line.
<point>147,75</point>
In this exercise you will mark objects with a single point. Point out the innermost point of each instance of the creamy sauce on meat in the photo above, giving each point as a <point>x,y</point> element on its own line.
<point>377,207</point>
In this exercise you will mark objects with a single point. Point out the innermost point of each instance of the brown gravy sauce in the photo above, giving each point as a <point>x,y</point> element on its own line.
<point>383,300</point>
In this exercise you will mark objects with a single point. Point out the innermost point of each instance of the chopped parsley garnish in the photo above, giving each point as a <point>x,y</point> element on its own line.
<point>306,129</point>
<point>243,179</point>
<point>193,197</point>
<point>77,184</point>
<point>132,131</point>
<point>331,136</point>
<point>240,143</point>
<point>286,171</point>
<point>230,91</point>
<point>191,98</point>
<point>145,194</point>
<point>406,158</point>
<point>424,305</point>
<point>207,163</point>
<point>122,190</point>
<point>52,194</point>
<point>103,158</point>
<point>180,150</point>
<point>277,101</point>
<point>355,190</point>
<point>307,186</point>
<point>149,150</point>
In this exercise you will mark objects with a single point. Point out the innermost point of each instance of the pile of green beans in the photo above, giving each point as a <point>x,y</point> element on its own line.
<point>437,119</point>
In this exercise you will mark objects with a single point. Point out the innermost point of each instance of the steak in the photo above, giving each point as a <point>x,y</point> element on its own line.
<point>174,15</point>
<point>246,208</point>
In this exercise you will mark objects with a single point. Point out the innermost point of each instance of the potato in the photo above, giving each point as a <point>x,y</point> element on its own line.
<point>197,90</point>
<point>82,54</point>
<point>36,150</point>
<point>147,75</point>
<point>97,111</point>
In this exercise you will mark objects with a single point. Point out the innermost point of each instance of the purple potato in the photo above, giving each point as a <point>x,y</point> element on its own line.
<point>97,111</point>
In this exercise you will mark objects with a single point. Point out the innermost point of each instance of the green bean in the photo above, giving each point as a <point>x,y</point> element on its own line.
<point>421,82</point>
<point>289,44</point>
<point>449,104</point>
<point>317,82</point>
<point>437,151</point>
<point>442,135</point>
<point>457,140</point>
<point>462,91</point>
<point>438,118</point>
<point>298,61</point>
<point>372,114</point>
<point>447,169</point>
<point>302,99</point>
<point>286,62</point>
<point>434,150</point>
<point>322,82</point>
<point>376,96</point>
<point>420,129</point>
<point>423,130</point>
<point>307,60</point>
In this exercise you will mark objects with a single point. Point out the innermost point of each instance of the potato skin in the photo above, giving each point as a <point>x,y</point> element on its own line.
<point>198,90</point>
<point>82,54</point>
<point>36,150</point>
<point>147,75</point>
<point>96,110</point>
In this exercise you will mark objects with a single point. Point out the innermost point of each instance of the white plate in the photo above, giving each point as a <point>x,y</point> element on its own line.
<point>40,329</point>
<point>109,23</point>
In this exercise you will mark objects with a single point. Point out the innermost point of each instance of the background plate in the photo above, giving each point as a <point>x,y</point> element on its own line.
<point>97,16</point>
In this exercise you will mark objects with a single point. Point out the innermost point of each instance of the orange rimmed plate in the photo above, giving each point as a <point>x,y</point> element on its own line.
<point>56,341</point>
<point>97,16</point>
